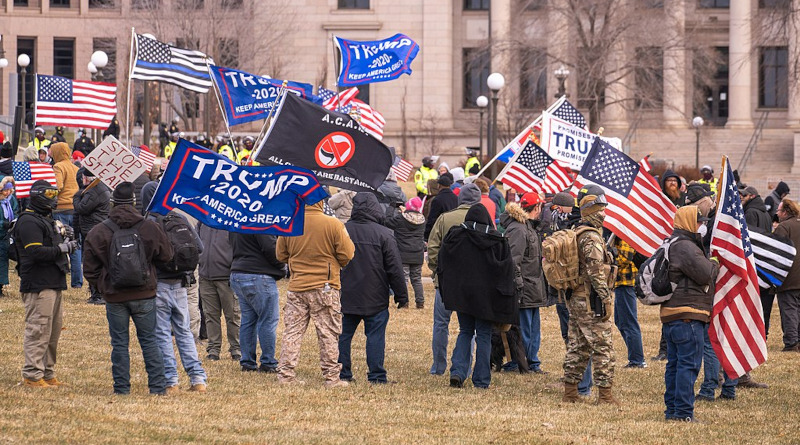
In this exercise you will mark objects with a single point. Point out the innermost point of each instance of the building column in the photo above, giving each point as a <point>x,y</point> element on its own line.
<point>674,107</point>
<point>793,114</point>
<point>615,115</point>
<point>740,88</point>
<point>558,33</point>
<point>433,94</point>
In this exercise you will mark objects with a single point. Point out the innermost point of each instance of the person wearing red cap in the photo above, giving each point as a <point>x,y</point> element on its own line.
<point>520,220</point>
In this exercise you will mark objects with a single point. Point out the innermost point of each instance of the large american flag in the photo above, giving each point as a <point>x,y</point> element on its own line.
<point>145,155</point>
<point>402,168</point>
<point>533,170</point>
<point>331,100</point>
<point>74,103</point>
<point>737,324</point>
<point>26,173</point>
<point>638,211</point>
<point>567,112</point>
<point>182,67</point>
<point>370,119</point>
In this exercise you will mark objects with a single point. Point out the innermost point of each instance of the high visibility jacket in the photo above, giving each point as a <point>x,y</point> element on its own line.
<point>169,149</point>
<point>470,162</point>
<point>227,151</point>
<point>243,155</point>
<point>39,144</point>
<point>422,176</point>
<point>711,183</point>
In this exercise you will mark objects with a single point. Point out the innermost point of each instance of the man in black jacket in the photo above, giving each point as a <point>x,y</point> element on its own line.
<point>42,269</point>
<point>443,202</point>
<point>375,268</point>
<point>755,211</point>
<point>92,204</point>
<point>215,291</point>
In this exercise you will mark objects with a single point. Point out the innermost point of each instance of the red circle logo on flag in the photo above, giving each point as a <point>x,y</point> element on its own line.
<point>335,150</point>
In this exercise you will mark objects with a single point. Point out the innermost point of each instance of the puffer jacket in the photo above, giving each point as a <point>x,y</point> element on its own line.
<point>409,230</point>
<point>342,204</point>
<point>92,205</point>
<point>526,250</point>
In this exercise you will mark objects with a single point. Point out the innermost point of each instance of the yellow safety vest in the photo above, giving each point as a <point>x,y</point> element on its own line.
<point>227,151</point>
<point>422,176</point>
<point>470,162</point>
<point>243,154</point>
<point>169,149</point>
<point>35,143</point>
<point>712,184</point>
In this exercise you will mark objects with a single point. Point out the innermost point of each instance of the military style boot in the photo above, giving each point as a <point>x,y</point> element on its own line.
<point>607,397</point>
<point>570,393</point>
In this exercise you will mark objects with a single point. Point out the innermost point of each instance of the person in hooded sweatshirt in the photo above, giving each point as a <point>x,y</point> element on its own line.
<point>66,178</point>
<point>488,296</point>
<point>375,268</point>
<point>409,232</point>
<point>771,202</point>
<point>671,185</point>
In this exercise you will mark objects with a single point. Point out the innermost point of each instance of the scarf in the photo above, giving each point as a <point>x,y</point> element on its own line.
<point>8,212</point>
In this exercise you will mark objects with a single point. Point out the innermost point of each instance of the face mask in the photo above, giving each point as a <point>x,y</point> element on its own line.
<point>702,230</point>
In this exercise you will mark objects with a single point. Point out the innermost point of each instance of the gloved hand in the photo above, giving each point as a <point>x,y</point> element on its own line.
<point>69,233</point>
<point>608,306</point>
<point>68,246</point>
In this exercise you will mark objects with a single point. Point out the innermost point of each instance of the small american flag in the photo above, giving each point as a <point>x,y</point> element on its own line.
<point>567,112</point>
<point>145,155</point>
<point>370,119</point>
<point>74,103</point>
<point>645,163</point>
<point>26,173</point>
<point>533,170</point>
<point>737,324</point>
<point>638,211</point>
<point>402,168</point>
<point>331,100</point>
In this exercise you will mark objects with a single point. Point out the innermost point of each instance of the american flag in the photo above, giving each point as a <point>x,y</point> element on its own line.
<point>331,100</point>
<point>26,173</point>
<point>370,119</point>
<point>518,142</point>
<point>145,155</point>
<point>638,211</point>
<point>645,163</point>
<point>74,103</point>
<point>567,112</point>
<point>737,324</point>
<point>182,67</point>
<point>402,168</point>
<point>533,170</point>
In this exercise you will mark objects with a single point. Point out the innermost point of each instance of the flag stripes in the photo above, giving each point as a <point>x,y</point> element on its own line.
<point>74,103</point>
<point>533,170</point>
<point>402,168</point>
<point>774,257</point>
<point>182,67</point>
<point>26,173</point>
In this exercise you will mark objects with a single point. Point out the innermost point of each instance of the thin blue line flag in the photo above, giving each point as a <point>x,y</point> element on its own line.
<point>374,61</point>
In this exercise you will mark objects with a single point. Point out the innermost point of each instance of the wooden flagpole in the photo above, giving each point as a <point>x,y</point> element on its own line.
<point>130,81</point>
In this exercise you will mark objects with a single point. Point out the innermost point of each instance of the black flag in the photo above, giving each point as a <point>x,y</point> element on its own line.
<point>332,145</point>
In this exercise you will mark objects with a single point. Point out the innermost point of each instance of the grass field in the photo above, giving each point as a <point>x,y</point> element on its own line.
<point>419,408</point>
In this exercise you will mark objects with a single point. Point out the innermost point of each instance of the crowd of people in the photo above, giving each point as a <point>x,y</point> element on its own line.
<point>357,252</point>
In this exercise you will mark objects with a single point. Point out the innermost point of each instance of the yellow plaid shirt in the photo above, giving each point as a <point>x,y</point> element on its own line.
<point>626,274</point>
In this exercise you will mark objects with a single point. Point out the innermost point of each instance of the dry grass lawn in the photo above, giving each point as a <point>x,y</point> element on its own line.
<point>419,408</point>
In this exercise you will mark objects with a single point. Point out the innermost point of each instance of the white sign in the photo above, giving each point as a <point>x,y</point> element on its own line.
<point>113,163</point>
<point>565,142</point>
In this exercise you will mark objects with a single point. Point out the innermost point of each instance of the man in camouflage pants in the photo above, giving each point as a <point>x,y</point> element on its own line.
<point>590,335</point>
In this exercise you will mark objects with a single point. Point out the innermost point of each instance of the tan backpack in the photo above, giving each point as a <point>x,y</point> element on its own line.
<point>560,259</point>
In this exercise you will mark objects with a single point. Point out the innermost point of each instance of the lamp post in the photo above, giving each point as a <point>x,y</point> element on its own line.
<point>561,73</point>
<point>697,122</point>
<point>23,61</point>
<point>100,60</point>
<point>3,64</point>
<point>495,82</point>
<point>482,102</point>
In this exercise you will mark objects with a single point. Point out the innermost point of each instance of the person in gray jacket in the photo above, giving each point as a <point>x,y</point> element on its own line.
<point>216,294</point>
<point>520,221</point>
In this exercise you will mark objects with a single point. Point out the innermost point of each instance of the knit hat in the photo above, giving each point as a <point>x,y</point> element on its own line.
<point>445,180</point>
<point>8,185</point>
<point>563,199</point>
<point>479,214</point>
<point>87,173</point>
<point>750,191</point>
<point>6,151</point>
<point>697,191</point>
<point>123,194</point>
<point>470,194</point>
<point>414,204</point>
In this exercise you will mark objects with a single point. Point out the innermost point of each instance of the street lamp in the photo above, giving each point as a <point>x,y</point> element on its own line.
<point>561,74</point>
<point>23,61</point>
<point>495,82</point>
<point>92,70</point>
<point>100,60</point>
<point>697,122</point>
<point>482,102</point>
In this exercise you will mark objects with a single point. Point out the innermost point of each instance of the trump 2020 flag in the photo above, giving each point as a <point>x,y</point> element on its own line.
<point>74,103</point>
<point>332,145</point>
<point>185,68</point>
<point>236,198</point>
<point>247,97</point>
<point>374,61</point>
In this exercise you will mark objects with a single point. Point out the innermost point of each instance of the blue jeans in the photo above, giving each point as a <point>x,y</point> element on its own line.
<point>627,321</point>
<point>441,332</point>
<point>711,372</point>
<point>143,313</point>
<point>585,385</point>
<point>530,326</point>
<point>375,331</point>
<point>684,356</point>
<point>76,273</point>
<point>470,326</point>
<point>172,311</point>
<point>258,301</point>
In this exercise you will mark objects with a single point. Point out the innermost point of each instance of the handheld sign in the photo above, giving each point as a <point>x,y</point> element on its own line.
<point>113,163</point>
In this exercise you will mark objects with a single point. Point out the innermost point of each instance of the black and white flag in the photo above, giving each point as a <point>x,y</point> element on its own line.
<point>774,257</point>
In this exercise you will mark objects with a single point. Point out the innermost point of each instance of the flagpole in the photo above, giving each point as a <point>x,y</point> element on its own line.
<point>497,155</point>
<point>279,102</point>
<point>336,74</point>
<point>218,95</point>
<point>128,102</point>
<point>263,132</point>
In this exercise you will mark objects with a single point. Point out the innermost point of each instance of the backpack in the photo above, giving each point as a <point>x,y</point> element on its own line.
<point>652,282</point>
<point>560,259</point>
<point>182,238</point>
<point>128,265</point>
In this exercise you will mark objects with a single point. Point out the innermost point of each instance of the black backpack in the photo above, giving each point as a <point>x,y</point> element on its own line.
<point>182,238</point>
<point>128,265</point>
<point>652,282</point>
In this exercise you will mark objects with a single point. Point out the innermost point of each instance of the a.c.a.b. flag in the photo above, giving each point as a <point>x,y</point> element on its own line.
<point>332,145</point>
<point>236,198</point>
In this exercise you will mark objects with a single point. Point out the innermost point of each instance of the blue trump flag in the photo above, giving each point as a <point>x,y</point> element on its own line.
<point>247,97</point>
<point>236,198</point>
<point>375,61</point>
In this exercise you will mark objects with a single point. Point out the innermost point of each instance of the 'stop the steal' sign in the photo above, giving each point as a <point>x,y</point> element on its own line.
<point>236,198</point>
<point>113,163</point>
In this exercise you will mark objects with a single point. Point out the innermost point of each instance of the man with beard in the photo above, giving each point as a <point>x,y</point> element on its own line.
<point>671,186</point>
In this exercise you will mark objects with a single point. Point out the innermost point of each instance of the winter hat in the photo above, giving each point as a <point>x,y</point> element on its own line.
<point>8,185</point>
<point>6,151</point>
<point>750,191</point>
<point>123,194</point>
<point>697,191</point>
<point>458,174</point>
<point>563,199</point>
<point>445,180</point>
<point>78,156</point>
<point>414,204</point>
<point>87,173</point>
<point>470,194</point>
<point>479,214</point>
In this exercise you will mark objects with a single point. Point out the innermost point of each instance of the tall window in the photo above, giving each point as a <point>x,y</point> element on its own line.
<point>228,50</point>
<point>21,3</point>
<point>27,46</point>
<point>64,57</point>
<point>353,4</point>
<point>533,78</point>
<point>476,70</point>
<point>476,5</point>
<point>59,3</point>
<point>715,3</point>
<point>649,76</point>
<point>773,75</point>
<point>108,46</point>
